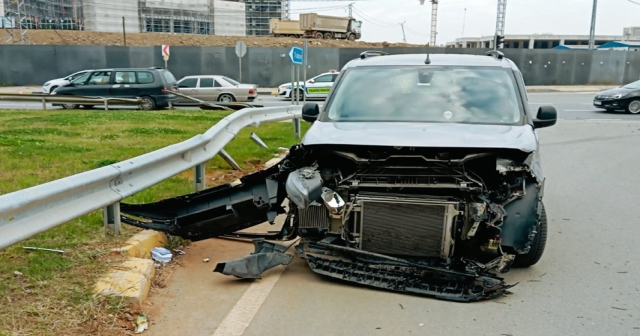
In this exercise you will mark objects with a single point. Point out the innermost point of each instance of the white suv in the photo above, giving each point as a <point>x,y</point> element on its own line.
<point>316,87</point>
<point>53,84</point>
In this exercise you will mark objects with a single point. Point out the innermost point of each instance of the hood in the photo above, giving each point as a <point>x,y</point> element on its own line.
<point>613,92</point>
<point>301,83</point>
<point>443,135</point>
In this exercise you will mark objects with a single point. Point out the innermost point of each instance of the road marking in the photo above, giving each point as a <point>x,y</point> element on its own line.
<point>578,110</point>
<point>238,319</point>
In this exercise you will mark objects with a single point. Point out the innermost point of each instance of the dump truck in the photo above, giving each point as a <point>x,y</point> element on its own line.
<point>281,28</point>
<point>330,27</point>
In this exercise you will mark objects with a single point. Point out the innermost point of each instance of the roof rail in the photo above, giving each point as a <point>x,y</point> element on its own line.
<point>155,67</point>
<point>370,53</point>
<point>495,53</point>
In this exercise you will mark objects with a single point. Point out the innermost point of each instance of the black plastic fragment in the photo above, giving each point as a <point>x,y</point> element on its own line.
<point>266,256</point>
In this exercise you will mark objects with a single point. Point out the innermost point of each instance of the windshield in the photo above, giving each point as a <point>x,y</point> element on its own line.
<point>633,86</point>
<point>231,81</point>
<point>426,94</point>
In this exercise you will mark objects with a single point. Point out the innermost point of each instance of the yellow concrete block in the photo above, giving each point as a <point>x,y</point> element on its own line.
<point>131,279</point>
<point>141,244</point>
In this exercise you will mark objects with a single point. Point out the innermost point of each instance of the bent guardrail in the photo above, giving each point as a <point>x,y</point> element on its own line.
<point>77,100</point>
<point>30,211</point>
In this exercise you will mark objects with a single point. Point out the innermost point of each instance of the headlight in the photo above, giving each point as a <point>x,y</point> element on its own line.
<point>618,96</point>
<point>47,83</point>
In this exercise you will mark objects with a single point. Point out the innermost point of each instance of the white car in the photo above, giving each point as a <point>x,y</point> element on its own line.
<point>316,87</point>
<point>53,84</point>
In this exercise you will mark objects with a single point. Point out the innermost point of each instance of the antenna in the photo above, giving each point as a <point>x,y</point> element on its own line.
<point>428,60</point>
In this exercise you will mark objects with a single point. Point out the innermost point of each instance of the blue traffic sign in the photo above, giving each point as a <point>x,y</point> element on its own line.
<point>296,55</point>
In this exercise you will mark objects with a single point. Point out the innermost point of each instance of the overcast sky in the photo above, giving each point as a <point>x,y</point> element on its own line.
<point>381,17</point>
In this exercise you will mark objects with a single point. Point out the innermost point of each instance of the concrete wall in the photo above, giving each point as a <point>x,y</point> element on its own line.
<point>271,66</point>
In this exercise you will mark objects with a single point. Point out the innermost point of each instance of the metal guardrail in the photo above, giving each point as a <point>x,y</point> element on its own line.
<point>78,100</point>
<point>27,212</point>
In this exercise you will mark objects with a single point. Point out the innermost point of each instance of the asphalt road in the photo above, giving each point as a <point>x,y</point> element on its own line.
<point>569,105</point>
<point>585,284</point>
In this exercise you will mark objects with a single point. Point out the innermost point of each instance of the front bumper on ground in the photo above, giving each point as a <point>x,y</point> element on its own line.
<point>610,104</point>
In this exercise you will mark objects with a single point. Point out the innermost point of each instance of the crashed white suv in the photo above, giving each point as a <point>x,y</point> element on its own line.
<point>421,174</point>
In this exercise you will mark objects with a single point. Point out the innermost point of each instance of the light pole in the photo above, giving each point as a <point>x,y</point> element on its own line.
<point>592,33</point>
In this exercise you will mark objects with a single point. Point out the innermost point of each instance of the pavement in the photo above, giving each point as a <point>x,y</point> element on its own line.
<point>585,284</point>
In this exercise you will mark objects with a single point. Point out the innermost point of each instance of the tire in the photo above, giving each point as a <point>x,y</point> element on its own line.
<point>148,104</point>
<point>226,98</point>
<point>328,36</point>
<point>538,245</point>
<point>319,35</point>
<point>69,106</point>
<point>633,107</point>
<point>300,94</point>
<point>351,37</point>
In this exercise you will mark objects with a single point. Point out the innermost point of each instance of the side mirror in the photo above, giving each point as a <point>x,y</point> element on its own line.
<point>547,116</point>
<point>312,81</point>
<point>310,112</point>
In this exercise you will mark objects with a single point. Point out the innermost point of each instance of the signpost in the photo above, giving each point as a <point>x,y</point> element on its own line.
<point>165,54</point>
<point>241,50</point>
<point>296,55</point>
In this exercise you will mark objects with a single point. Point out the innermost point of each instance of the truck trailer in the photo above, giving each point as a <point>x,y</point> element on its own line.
<point>330,27</point>
<point>282,28</point>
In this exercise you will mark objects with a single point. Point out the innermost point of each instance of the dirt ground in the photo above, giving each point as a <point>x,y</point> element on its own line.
<point>67,37</point>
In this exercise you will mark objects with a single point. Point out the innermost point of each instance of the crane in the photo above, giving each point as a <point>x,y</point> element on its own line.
<point>434,20</point>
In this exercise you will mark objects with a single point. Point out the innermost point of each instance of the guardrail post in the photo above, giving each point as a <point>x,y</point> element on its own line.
<point>44,103</point>
<point>296,127</point>
<point>199,177</point>
<point>106,104</point>
<point>111,215</point>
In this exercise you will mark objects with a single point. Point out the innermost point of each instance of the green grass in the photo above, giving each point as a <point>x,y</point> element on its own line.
<point>53,296</point>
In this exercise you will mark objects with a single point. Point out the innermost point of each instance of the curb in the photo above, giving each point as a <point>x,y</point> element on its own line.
<point>141,244</point>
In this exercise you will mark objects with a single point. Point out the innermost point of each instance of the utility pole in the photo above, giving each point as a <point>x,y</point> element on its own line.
<point>592,33</point>
<point>351,9</point>
<point>404,37</point>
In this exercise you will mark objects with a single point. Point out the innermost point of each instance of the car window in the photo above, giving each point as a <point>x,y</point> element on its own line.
<point>82,79</point>
<point>125,77</point>
<point>145,77</point>
<point>427,94</point>
<point>189,83</point>
<point>324,79</point>
<point>333,77</point>
<point>206,82</point>
<point>231,81</point>
<point>74,76</point>
<point>100,78</point>
<point>168,77</point>
<point>218,84</point>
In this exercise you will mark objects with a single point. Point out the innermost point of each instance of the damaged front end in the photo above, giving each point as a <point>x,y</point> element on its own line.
<point>424,221</point>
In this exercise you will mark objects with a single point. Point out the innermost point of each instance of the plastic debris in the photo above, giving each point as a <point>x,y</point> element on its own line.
<point>42,249</point>
<point>205,260</point>
<point>141,323</point>
<point>179,251</point>
<point>16,273</point>
<point>161,254</point>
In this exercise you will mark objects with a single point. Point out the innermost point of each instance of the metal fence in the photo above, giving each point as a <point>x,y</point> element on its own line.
<point>27,212</point>
<point>61,100</point>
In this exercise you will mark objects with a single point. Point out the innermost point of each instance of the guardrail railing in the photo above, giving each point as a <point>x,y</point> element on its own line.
<point>27,212</point>
<point>77,100</point>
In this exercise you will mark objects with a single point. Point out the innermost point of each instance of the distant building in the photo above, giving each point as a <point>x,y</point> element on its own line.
<point>544,41</point>
<point>620,45</point>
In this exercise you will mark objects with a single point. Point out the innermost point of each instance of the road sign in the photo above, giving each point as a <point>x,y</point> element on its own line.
<point>296,55</point>
<point>241,49</point>
<point>165,52</point>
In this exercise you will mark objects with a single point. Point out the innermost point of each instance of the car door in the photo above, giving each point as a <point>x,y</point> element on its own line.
<point>320,86</point>
<point>124,85</point>
<point>98,85</point>
<point>208,89</point>
<point>188,86</point>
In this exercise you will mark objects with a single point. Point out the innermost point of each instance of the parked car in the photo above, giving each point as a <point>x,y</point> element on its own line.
<point>316,87</point>
<point>420,174</point>
<point>626,98</point>
<point>53,84</point>
<point>149,84</point>
<point>216,88</point>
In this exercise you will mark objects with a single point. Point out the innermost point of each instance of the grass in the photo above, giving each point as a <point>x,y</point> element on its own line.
<point>44,293</point>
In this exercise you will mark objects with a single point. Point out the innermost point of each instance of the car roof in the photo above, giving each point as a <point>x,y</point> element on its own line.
<point>203,76</point>
<point>128,69</point>
<point>436,59</point>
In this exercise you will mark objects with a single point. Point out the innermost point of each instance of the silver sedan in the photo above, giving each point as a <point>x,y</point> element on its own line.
<point>216,88</point>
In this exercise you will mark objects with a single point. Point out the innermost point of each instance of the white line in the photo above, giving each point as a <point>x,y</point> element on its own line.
<point>238,319</point>
<point>578,110</point>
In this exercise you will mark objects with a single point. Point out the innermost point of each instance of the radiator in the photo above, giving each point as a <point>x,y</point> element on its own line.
<point>407,229</point>
<point>314,217</point>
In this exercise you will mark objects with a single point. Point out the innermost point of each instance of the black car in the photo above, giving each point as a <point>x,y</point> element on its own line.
<point>623,98</point>
<point>149,84</point>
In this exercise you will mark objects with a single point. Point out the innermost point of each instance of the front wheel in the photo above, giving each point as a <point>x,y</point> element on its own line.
<point>538,245</point>
<point>352,37</point>
<point>69,106</point>
<point>148,104</point>
<point>300,94</point>
<point>634,107</point>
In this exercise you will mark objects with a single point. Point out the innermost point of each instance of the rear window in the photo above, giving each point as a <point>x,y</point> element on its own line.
<point>145,77</point>
<point>168,77</point>
<point>231,81</point>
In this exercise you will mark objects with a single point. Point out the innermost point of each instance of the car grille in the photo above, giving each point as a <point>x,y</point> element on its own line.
<point>409,229</point>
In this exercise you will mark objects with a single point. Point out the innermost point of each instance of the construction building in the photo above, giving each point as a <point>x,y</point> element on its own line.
<point>208,17</point>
